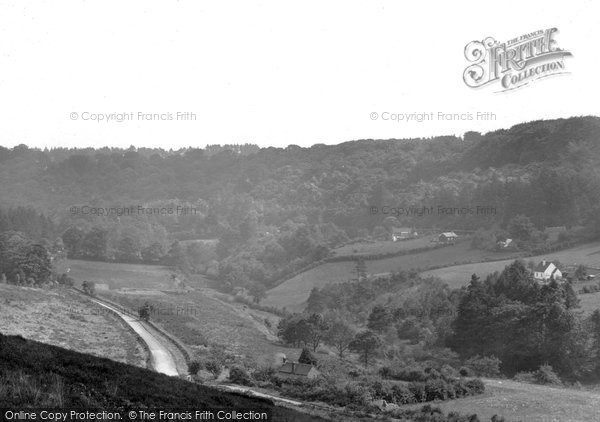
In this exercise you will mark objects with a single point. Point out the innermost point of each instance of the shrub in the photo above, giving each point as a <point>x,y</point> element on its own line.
<point>527,377</point>
<point>402,395</point>
<point>193,367</point>
<point>448,371</point>
<point>437,389</point>
<point>432,373</point>
<point>411,373</point>
<point>213,367</point>
<point>546,375</point>
<point>385,372</point>
<point>266,373</point>
<point>440,389</point>
<point>475,386</point>
<point>238,375</point>
<point>418,391</point>
<point>486,366</point>
<point>465,372</point>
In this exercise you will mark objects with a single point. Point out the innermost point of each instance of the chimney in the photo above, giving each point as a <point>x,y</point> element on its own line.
<point>293,367</point>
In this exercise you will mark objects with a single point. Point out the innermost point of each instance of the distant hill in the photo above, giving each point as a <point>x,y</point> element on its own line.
<point>274,211</point>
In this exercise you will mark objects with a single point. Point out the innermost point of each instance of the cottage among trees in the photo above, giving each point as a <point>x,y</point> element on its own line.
<point>296,370</point>
<point>546,270</point>
<point>448,237</point>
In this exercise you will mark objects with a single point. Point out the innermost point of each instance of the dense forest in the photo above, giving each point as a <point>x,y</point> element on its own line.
<point>249,216</point>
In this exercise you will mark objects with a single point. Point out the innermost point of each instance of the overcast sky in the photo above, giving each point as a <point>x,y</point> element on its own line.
<point>273,72</point>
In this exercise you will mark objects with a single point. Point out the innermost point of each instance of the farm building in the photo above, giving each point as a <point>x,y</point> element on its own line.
<point>546,270</point>
<point>505,243</point>
<point>298,370</point>
<point>448,237</point>
<point>400,233</point>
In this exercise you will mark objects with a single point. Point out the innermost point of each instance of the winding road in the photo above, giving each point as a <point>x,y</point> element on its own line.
<point>161,358</point>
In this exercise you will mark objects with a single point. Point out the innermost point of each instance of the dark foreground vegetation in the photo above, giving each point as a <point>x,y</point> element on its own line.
<point>34,374</point>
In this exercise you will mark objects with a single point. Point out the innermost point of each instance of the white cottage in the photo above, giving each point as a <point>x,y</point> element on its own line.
<point>546,270</point>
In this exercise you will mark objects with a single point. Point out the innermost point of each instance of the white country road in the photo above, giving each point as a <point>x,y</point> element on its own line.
<point>162,360</point>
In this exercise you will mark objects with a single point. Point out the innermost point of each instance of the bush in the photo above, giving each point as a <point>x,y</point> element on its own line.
<point>213,367</point>
<point>385,372</point>
<point>465,372</point>
<point>545,375</point>
<point>410,373</point>
<point>527,377</point>
<point>448,371</point>
<point>402,395</point>
<point>475,386</point>
<point>193,367</point>
<point>486,366</point>
<point>440,389</point>
<point>238,375</point>
<point>264,374</point>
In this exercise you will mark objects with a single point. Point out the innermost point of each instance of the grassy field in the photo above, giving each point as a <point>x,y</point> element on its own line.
<point>63,318</point>
<point>108,275</point>
<point>382,247</point>
<point>292,293</point>
<point>457,276</point>
<point>528,403</point>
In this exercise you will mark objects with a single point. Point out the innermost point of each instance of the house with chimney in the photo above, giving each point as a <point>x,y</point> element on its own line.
<point>295,370</point>
<point>546,270</point>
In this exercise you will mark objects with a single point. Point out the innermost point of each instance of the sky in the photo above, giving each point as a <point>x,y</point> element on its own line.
<point>273,73</point>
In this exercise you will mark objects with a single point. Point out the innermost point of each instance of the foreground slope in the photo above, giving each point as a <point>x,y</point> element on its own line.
<point>64,318</point>
<point>34,374</point>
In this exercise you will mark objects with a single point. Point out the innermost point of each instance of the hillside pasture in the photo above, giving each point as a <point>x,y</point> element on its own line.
<point>459,275</point>
<point>382,247</point>
<point>292,294</point>
<point>108,275</point>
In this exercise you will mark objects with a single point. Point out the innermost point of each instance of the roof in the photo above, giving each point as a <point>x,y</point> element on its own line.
<point>449,234</point>
<point>401,230</point>
<point>295,368</point>
<point>542,268</point>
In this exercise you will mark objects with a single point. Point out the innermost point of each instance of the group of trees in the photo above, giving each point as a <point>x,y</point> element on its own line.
<point>26,253</point>
<point>310,330</point>
<point>509,317</point>
<point>525,324</point>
